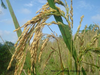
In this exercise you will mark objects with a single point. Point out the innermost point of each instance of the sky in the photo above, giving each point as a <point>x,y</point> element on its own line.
<point>26,9</point>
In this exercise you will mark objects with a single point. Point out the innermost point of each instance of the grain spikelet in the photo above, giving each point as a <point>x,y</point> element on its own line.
<point>20,66</point>
<point>78,29</point>
<point>43,46</point>
<point>71,12</point>
<point>47,59</point>
<point>59,2</point>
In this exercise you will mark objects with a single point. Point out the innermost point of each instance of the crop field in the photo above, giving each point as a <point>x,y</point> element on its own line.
<point>36,53</point>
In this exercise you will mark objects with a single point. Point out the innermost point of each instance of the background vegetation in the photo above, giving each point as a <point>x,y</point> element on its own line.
<point>53,64</point>
<point>5,57</point>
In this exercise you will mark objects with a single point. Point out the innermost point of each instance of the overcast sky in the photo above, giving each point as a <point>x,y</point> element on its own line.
<point>26,9</point>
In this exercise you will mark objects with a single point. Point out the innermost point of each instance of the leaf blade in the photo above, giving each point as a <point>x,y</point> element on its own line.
<point>16,24</point>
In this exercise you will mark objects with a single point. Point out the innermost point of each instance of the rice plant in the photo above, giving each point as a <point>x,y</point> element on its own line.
<point>76,52</point>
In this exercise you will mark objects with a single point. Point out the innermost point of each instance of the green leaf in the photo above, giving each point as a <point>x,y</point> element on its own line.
<point>3,5</point>
<point>19,32</point>
<point>83,71</point>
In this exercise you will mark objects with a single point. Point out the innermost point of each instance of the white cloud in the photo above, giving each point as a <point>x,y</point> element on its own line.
<point>6,21</point>
<point>84,5</point>
<point>8,36</point>
<point>25,11</point>
<point>29,4</point>
<point>1,12</point>
<point>96,18</point>
<point>42,1</point>
<point>7,32</point>
<point>0,32</point>
<point>23,21</point>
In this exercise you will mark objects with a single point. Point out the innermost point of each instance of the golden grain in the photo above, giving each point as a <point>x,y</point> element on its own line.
<point>43,45</point>
<point>71,12</point>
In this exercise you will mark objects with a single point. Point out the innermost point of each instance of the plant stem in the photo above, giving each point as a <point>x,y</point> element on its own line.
<point>19,32</point>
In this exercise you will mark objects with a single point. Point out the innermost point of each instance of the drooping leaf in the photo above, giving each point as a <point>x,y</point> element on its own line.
<point>14,18</point>
<point>3,5</point>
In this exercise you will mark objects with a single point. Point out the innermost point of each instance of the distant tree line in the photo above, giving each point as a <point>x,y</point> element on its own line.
<point>91,27</point>
<point>5,57</point>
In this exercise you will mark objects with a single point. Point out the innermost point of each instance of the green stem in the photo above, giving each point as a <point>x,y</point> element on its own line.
<point>14,18</point>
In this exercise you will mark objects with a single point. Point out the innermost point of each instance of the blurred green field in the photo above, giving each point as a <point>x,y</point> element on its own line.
<point>53,65</point>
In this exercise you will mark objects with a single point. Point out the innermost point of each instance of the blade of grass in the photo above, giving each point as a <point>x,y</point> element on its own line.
<point>83,71</point>
<point>14,18</point>
<point>66,70</point>
<point>3,5</point>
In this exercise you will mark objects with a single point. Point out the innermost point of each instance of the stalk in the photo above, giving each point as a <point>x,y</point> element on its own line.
<point>16,24</point>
